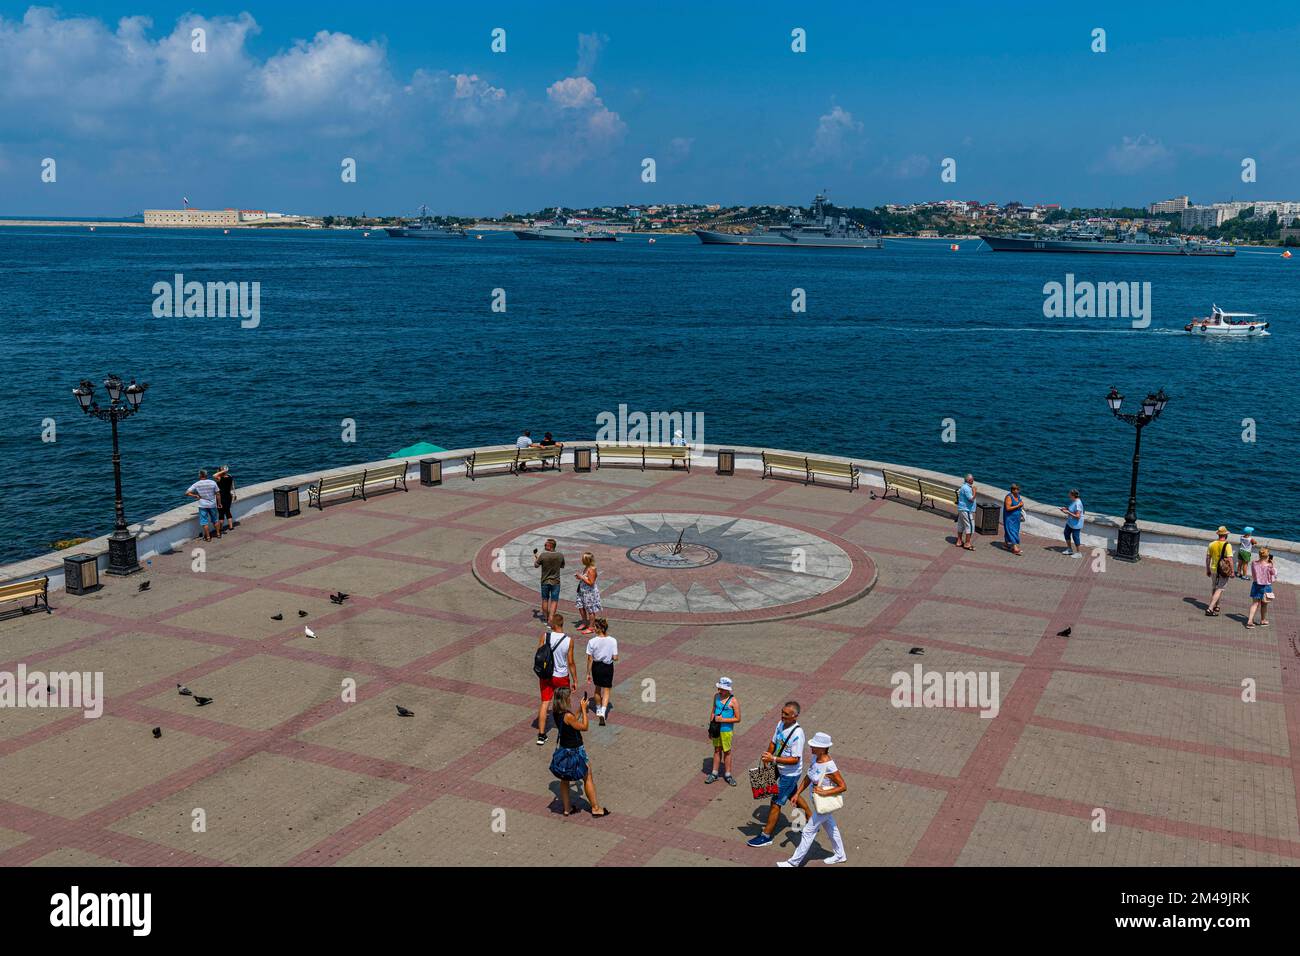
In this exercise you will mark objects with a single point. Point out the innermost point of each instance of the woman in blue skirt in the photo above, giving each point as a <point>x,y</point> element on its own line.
<point>569,763</point>
<point>1013,507</point>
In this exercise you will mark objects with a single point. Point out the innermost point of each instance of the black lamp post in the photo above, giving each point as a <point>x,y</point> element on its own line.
<point>123,402</point>
<point>1130,537</point>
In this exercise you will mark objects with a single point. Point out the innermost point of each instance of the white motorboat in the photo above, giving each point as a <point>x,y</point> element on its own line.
<point>1219,322</point>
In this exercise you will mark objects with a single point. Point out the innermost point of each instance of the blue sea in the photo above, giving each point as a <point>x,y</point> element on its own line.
<point>399,336</point>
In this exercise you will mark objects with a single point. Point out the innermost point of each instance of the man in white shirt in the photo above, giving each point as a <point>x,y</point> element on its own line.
<point>786,751</point>
<point>562,647</point>
<point>205,490</point>
<point>525,440</point>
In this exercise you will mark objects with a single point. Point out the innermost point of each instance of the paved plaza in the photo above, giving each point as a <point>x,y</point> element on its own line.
<point>1138,713</point>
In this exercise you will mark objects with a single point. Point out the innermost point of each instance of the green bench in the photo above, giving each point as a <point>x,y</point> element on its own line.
<point>355,483</point>
<point>644,453</point>
<point>38,590</point>
<point>810,468</point>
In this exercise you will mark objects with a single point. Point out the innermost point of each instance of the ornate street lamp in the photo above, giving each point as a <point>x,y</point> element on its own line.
<point>1127,546</point>
<point>123,402</point>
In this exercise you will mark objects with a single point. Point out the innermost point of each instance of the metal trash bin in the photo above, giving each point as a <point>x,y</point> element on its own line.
<point>986,518</point>
<point>582,459</point>
<point>430,471</point>
<point>726,461</point>
<point>286,501</point>
<point>81,573</point>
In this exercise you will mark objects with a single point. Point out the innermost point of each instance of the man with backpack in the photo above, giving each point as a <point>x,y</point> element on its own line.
<point>552,663</point>
<point>1219,566</point>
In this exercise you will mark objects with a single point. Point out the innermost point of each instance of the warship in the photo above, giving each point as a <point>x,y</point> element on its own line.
<point>821,230</point>
<point>569,231</point>
<point>1092,240</point>
<point>425,228</point>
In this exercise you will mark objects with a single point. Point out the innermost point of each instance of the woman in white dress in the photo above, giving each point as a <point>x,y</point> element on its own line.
<point>827,786</point>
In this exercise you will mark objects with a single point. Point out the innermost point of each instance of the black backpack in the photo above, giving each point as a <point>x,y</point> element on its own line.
<point>544,659</point>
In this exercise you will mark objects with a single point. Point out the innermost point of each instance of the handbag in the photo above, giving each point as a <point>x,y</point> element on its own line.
<point>763,782</point>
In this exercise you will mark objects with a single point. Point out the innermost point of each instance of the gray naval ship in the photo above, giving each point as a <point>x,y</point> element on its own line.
<point>567,232</point>
<point>425,228</point>
<point>1092,240</point>
<point>821,230</point>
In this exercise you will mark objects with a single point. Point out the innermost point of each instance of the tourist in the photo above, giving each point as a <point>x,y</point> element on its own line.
<point>826,783</point>
<point>1262,574</point>
<point>1244,549</point>
<point>569,763</point>
<point>1073,524</point>
<point>966,514</point>
<point>225,496</point>
<point>678,440</point>
<point>724,714</point>
<point>549,442</point>
<point>206,491</point>
<point>1013,510</point>
<point>1218,565</point>
<point>562,649</point>
<point>525,440</point>
<point>550,562</point>
<point>786,751</point>
<point>602,652</point>
<point>588,592</point>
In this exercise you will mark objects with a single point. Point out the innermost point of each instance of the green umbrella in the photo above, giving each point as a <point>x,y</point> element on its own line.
<point>419,448</point>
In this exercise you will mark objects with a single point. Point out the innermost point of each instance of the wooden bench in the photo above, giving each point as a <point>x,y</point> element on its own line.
<point>921,487</point>
<point>542,453</point>
<point>38,590</point>
<point>810,468</point>
<point>355,482</point>
<point>937,493</point>
<point>490,459</point>
<point>643,453</point>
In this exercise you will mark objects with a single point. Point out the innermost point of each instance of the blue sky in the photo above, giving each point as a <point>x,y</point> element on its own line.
<point>712,91</point>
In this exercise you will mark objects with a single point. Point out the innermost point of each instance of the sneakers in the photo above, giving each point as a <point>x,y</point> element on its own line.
<point>831,860</point>
<point>711,778</point>
<point>761,840</point>
<point>541,739</point>
<point>731,781</point>
<point>786,863</point>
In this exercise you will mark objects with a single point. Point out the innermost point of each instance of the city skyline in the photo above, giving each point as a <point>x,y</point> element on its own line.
<point>265,116</point>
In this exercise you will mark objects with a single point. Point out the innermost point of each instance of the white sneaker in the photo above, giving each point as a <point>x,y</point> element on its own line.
<point>600,711</point>
<point>1076,554</point>
<point>834,859</point>
<point>786,863</point>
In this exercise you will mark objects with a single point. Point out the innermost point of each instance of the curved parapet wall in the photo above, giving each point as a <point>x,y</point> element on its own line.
<point>178,528</point>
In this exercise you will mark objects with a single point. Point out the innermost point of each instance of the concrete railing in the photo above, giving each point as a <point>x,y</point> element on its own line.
<point>177,529</point>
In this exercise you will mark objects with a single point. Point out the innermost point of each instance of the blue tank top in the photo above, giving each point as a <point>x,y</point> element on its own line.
<point>726,710</point>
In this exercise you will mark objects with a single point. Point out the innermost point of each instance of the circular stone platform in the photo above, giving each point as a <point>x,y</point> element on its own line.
<point>685,567</point>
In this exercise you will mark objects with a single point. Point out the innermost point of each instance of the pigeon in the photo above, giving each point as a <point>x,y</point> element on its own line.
<point>1064,633</point>
<point>302,613</point>
<point>277,617</point>
<point>917,650</point>
<point>339,597</point>
<point>144,586</point>
<point>157,732</point>
<point>309,632</point>
<point>403,712</point>
<point>184,691</point>
<point>202,701</point>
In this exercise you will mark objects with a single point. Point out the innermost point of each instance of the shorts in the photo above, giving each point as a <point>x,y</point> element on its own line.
<point>602,674</point>
<point>548,687</point>
<point>1257,591</point>
<point>1072,533</point>
<point>1220,581</point>
<point>722,741</point>
<point>1243,557</point>
<point>550,592</point>
<point>965,522</point>
<point>787,785</point>
<point>207,516</point>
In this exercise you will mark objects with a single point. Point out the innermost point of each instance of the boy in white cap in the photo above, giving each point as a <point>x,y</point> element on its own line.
<point>1244,550</point>
<point>724,714</point>
<point>827,786</point>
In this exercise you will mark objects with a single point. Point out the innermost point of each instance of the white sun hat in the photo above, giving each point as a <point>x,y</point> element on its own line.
<point>820,740</point>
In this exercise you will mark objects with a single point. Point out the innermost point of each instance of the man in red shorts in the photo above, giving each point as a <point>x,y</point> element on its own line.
<point>562,645</point>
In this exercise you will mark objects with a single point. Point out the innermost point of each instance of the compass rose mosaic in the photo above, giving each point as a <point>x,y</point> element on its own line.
<point>686,567</point>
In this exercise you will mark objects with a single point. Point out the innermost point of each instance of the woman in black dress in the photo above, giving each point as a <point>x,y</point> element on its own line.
<point>569,763</point>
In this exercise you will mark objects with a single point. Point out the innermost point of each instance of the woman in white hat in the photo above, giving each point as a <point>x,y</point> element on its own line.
<point>827,786</point>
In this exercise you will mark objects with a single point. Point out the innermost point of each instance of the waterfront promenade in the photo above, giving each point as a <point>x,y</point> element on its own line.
<point>1137,713</point>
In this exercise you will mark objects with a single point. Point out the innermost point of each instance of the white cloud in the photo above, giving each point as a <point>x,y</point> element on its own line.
<point>590,46</point>
<point>1135,155</point>
<point>838,136</point>
<point>577,94</point>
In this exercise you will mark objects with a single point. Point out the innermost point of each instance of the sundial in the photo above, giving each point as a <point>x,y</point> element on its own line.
<point>686,565</point>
